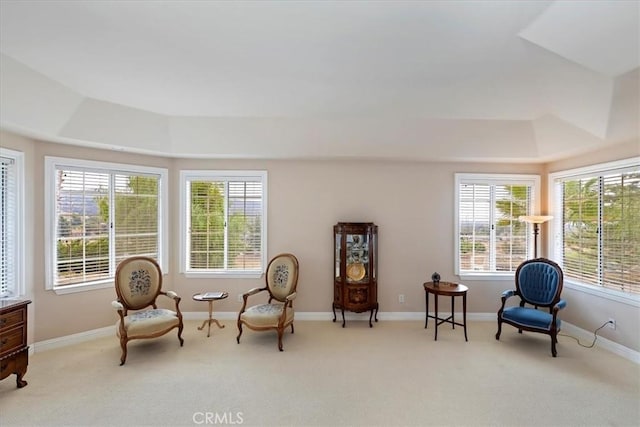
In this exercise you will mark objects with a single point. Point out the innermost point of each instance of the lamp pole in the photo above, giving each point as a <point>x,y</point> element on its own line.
<point>536,231</point>
<point>536,220</point>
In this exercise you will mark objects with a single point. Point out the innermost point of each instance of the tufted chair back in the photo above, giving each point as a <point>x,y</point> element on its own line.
<point>539,282</point>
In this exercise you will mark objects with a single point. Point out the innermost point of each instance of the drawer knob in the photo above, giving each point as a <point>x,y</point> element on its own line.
<point>4,341</point>
<point>3,322</point>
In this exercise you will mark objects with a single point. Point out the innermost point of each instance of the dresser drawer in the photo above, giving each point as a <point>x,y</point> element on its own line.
<point>12,318</point>
<point>12,340</point>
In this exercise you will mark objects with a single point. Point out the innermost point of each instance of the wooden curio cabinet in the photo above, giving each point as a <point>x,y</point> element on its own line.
<point>355,284</point>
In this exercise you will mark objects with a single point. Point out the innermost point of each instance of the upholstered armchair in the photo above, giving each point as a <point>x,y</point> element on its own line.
<point>281,282</point>
<point>138,286</point>
<point>538,286</point>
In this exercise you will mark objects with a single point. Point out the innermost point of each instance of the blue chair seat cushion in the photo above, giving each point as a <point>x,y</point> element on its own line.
<point>529,317</point>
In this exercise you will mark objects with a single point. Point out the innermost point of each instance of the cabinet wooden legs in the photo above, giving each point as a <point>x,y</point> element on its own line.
<point>334,314</point>
<point>372,316</point>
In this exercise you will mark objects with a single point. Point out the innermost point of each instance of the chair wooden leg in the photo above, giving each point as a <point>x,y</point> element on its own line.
<point>499,329</point>
<point>554,340</point>
<point>280,333</point>
<point>123,345</point>
<point>292,328</point>
<point>239,332</point>
<point>180,328</point>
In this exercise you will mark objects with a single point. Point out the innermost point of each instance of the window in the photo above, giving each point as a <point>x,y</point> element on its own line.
<point>11,225</point>
<point>97,215</point>
<point>491,241</point>
<point>597,225</point>
<point>224,222</point>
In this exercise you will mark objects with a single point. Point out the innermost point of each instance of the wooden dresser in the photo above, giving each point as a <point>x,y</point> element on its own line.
<point>14,352</point>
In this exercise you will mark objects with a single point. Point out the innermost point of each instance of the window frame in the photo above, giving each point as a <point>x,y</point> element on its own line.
<point>52,165</point>
<point>220,175</point>
<point>492,179</point>
<point>17,289</point>
<point>555,209</point>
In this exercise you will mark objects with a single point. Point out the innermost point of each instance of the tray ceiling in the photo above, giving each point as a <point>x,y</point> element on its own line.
<point>438,80</point>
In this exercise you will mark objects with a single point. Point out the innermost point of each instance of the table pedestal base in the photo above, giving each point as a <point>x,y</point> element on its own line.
<point>210,320</point>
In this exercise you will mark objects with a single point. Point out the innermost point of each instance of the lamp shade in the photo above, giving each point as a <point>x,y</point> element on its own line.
<point>535,219</point>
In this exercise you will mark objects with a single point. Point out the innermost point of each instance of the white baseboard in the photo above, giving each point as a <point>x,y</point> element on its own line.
<point>73,339</point>
<point>567,328</point>
<point>613,347</point>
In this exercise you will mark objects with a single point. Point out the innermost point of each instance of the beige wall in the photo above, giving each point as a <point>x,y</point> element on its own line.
<point>412,203</point>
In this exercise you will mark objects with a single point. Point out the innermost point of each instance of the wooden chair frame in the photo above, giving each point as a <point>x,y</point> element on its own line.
<point>286,301</point>
<point>123,305</point>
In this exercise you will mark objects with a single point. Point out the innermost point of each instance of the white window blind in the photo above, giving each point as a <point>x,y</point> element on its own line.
<point>490,238</point>
<point>225,222</point>
<point>82,237</point>
<point>8,209</point>
<point>102,216</point>
<point>600,225</point>
<point>136,228</point>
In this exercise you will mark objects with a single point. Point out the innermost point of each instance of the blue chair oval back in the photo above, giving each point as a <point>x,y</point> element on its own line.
<point>538,283</point>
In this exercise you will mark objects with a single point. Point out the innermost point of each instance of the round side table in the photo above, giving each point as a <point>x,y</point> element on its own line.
<point>210,297</point>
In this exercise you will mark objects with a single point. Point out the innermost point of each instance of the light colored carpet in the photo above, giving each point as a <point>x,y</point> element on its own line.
<point>393,374</point>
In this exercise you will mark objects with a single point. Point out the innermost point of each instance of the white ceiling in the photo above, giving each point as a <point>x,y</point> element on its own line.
<point>454,80</point>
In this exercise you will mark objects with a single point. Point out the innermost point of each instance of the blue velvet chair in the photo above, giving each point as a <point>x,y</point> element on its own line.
<point>538,285</point>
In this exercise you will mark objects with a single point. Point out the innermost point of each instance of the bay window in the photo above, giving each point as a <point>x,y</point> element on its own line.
<point>490,238</point>
<point>223,222</point>
<point>597,225</point>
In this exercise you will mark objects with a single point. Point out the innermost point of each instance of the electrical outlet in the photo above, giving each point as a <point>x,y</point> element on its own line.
<point>612,323</point>
<point>239,297</point>
<point>401,298</point>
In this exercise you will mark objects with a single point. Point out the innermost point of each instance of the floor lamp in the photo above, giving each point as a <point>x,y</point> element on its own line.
<point>536,220</point>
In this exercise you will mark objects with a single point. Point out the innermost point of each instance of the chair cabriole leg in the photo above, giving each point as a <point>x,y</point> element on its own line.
<point>123,358</point>
<point>280,332</point>
<point>239,332</point>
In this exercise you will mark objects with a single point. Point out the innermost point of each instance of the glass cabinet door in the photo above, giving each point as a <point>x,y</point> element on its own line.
<point>337,257</point>
<point>357,257</point>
